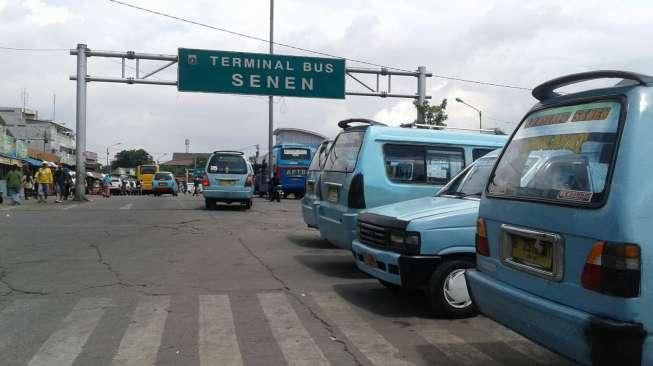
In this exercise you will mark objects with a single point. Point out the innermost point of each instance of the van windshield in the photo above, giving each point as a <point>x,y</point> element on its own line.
<point>162,176</point>
<point>562,155</point>
<point>148,169</point>
<point>344,153</point>
<point>227,164</point>
<point>472,182</point>
<point>319,158</point>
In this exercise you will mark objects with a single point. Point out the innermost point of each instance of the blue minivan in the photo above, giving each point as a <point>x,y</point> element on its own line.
<point>562,257</point>
<point>370,165</point>
<point>228,178</point>
<point>427,243</point>
<point>310,201</point>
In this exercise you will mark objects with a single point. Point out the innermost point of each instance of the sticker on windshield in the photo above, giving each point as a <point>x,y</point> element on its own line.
<point>213,168</point>
<point>576,196</point>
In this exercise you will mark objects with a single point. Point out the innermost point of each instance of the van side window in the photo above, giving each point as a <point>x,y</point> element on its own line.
<point>480,152</point>
<point>344,153</point>
<point>404,163</point>
<point>422,164</point>
<point>442,164</point>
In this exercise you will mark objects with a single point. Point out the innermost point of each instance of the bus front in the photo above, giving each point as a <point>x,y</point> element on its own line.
<point>146,175</point>
<point>291,166</point>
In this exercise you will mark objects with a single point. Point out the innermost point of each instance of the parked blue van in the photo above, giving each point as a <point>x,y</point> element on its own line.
<point>228,178</point>
<point>370,165</point>
<point>427,243</point>
<point>310,201</point>
<point>562,258</point>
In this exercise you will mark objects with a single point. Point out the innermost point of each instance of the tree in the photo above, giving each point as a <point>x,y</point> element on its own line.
<point>131,158</point>
<point>434,115</point>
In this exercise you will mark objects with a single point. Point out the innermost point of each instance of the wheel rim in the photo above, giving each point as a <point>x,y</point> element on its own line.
<point>455,289</point>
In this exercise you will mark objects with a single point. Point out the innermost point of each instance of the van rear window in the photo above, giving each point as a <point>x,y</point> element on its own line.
<point>561,155</point>
<point>227,164</point>
<point>344,153</point>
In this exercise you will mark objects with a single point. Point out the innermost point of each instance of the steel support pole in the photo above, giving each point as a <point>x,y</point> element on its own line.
<point>80,126</point>
<point>421,91</point>
<point>270,98</point>
<point>480,120</point>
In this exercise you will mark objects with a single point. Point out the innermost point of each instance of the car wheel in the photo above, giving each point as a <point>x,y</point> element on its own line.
<point>210,204</point>
<point>248,204</point>
<point>447,291</point>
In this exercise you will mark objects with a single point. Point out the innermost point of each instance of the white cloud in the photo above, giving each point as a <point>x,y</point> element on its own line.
<point>44,14</point>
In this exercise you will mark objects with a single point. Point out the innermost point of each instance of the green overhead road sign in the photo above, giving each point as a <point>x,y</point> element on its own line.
<point>261,74</point>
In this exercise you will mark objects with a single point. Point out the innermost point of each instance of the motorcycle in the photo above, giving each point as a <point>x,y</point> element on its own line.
<point>277,193</point>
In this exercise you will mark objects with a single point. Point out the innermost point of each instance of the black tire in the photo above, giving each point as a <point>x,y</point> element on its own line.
<point>443,304</point>
<point>248,204</point>
<point>210,204</point>
<point>174,194</point>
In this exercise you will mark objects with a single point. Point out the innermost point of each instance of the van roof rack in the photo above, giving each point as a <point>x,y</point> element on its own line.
<point>547,89</point>
<point>345,123</point>
<point>228,152</point>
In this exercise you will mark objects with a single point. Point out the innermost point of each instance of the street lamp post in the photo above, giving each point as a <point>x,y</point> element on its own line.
<point>480,114</point>
<point>108,147</point>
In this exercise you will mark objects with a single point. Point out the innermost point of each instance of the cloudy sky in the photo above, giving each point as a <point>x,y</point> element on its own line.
<point>519,43</point>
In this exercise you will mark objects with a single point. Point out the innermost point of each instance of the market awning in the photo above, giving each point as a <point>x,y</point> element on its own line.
<point>32,162</point>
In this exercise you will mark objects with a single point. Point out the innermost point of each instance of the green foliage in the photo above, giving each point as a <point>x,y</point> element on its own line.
<point>131,158</point>
<point>434,115</point>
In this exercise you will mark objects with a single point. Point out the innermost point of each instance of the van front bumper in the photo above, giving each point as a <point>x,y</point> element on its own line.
<point>578,335</point>
<point>412,271</point>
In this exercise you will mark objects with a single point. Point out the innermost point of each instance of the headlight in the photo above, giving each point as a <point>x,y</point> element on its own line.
<point>412,242</point>
<point>396,240</point>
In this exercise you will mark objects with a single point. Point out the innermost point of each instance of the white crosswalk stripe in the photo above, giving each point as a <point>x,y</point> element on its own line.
<point>127,206</point>
<point>65,344</point>
<point>141,342</point>
<point>77,332</point>
<point>454,347</point>
<point>296,344</point>
<point>368,341</point>
<point>218,344</point>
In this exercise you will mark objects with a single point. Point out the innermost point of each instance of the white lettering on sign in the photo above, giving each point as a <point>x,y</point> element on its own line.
<point>328,68</point>
<point>236,62</point>
<point>213,58</point>
<point>237,80</point>
<point>249,63</point>
<point>278,66</point>
<point>273,81</point>
<point>255,81</point>
<point>307,84</point>
<point>225,61</point>
<point>290,82</point>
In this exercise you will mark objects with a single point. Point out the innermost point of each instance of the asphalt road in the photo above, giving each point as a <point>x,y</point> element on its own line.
<point>144,280</point>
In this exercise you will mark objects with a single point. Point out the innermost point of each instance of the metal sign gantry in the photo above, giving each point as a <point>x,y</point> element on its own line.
<point>82,78</point>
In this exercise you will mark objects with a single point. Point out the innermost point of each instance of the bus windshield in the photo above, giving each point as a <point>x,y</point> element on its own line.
<point>561,155</point>
<point>148,169</point>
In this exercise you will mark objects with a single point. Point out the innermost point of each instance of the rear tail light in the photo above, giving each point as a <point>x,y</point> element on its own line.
<point>482,245</point>
<point>356,197</point>
<point>205,180</point>
<point>249,181</point>
<point>613,269</point>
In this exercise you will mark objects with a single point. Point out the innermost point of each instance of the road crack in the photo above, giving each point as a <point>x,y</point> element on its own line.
<point>330,328</point>
<point>12,289</point>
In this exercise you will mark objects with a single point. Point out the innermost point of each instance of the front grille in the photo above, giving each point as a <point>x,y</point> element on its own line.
<point>373,235</point>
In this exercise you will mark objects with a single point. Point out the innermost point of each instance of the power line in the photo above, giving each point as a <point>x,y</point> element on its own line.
<point>33,49</point>
<point>309,50</point>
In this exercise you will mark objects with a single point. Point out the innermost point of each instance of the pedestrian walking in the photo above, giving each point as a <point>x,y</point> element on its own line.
<point>14,183</point>
<point>68,183</point>
<point>60,182</point>
<point>132,187</point>
<point>196,186</point>
<point>28,184</point>
<point>44,179</point>
<point>106,186</point>
<point>138,187</point>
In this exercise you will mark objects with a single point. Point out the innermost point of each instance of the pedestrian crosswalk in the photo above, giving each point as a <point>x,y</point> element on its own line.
<point>216,328</point>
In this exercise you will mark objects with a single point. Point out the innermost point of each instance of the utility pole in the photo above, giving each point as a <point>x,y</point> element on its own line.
<point>270,98</point>
<point>421,92</point>
<point>80,130</point>
<point>54,106</point>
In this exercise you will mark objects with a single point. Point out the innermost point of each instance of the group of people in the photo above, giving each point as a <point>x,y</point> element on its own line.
<point>40,184</point>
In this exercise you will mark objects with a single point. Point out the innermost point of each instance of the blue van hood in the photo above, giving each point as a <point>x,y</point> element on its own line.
<point>426,206</point>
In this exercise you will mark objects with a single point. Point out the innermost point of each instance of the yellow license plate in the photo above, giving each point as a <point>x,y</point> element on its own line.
<point>534,253</point>
<point>225,182</point>
<point>369,260</point>
<point>332,194</point>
